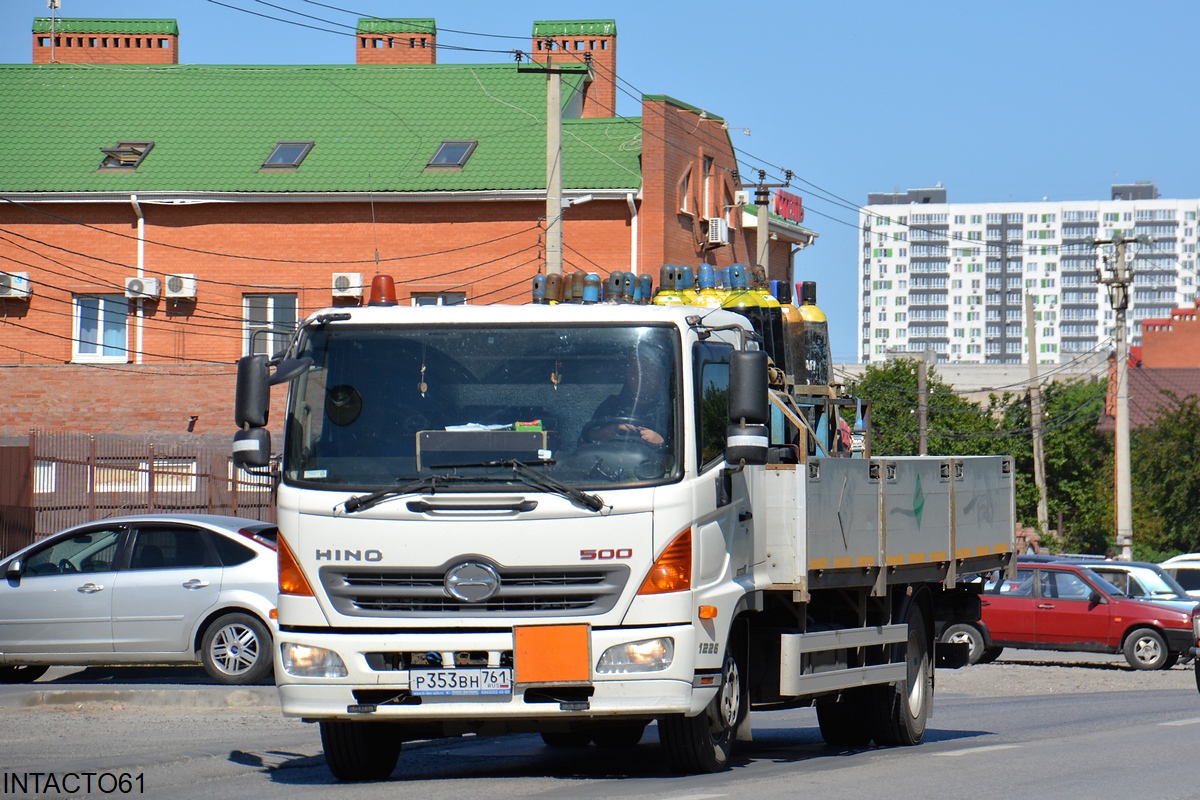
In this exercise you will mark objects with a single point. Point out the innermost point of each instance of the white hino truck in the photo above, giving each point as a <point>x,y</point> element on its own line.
<point>578,519</point>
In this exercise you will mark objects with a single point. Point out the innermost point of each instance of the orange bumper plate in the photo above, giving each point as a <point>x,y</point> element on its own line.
<point>552,654</point>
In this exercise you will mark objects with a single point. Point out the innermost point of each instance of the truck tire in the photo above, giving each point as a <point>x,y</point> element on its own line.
<point>1196,669</point>
<point>703,743</point>
<point>236,649</point>
<point>846,723</point>
<point>901,711</point>
<point>359,751</point>
<point>1145,648</point>
<point>22,673</point>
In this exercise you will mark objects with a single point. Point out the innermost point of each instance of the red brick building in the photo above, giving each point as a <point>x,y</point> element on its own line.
<point>169,212</point>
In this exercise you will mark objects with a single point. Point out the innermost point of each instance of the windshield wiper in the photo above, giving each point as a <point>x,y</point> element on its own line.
<point>539,480</point>
<point>364,501</point>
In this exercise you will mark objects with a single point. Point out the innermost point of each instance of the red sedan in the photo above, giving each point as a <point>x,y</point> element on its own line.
<point>1060,606</point>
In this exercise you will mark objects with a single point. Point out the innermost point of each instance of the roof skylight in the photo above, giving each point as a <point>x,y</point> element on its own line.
<point>125,156</point>
<point>452,154</point>
<point>287,155</point>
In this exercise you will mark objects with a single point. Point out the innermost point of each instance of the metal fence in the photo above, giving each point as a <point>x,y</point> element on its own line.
<point>71,478</point>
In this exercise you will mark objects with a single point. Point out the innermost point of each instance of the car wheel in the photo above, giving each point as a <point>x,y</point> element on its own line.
<point>901,711</point>
<point>965,633</point>
<point>22,673</point>
<point>360,751</point>
<point>703,743</point>
<point>1145,649</point>
<point>236,649</point>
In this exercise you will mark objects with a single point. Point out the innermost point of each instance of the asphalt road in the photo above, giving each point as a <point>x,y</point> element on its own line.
<point>1029,725</point>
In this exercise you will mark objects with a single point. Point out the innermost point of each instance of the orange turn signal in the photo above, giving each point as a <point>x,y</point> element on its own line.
<point>708,612</point>
<point>291,579</point>
<point>672,571</point>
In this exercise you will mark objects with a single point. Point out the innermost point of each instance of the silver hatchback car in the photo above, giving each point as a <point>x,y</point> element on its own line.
<point>146,589</point>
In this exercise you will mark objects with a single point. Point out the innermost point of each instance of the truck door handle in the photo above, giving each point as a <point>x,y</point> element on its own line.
<point>745,515</point>
<point>1045,605</point>
<point>195,583</point>
<point>91,588</point>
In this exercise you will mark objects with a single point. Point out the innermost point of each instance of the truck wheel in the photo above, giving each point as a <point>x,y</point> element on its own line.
<point>1146,649</point>
<point>703,743</point>
<point>236,649</point>
<point>901,711</point>
<point>846,723</point>
<point>359,751</point>
<point>625,734</point>
<point>968,634</point>
<point>1196,669</point>
<point>22,673</point>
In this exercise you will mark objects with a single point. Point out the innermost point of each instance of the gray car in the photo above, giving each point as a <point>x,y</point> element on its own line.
<point>146,589</point>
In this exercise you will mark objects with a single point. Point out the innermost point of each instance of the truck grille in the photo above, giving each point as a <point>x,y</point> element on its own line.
<point>523,591</point>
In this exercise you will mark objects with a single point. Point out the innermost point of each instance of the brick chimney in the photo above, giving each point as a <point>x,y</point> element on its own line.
<point>579,41</point>
<point>105,41</point>
<point>396,41</point>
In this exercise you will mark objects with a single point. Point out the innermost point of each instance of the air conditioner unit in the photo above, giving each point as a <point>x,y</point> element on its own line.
<point>741,198</point>
<point>141,288</point>
<point>15,286</point>
<point>181,287</point>
<point>718,231</point>
<point>347,284</point>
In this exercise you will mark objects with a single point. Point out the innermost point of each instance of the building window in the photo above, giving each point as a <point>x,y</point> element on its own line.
<point>439,298</point>
<point>287,155</point>
<point>685,193</point>
<point>276,312</point>
<point>126,155</point>
<point>100,328</point>
<point>708,165</point>
<point>452,154</point>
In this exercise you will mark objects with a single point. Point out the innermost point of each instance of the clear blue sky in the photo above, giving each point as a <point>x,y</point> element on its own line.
<point>999,101</point>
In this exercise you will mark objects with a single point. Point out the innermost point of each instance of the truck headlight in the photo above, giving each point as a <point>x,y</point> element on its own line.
<point>648,655</point>
<point>303,661</point>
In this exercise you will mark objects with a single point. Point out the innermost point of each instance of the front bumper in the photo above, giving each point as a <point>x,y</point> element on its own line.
<point>668,691</point>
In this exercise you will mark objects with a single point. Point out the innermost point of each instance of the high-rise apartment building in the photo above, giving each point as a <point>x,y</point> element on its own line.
<point>952,277</point>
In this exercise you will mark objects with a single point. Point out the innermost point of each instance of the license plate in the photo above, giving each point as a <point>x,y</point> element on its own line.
<point>459,681</point>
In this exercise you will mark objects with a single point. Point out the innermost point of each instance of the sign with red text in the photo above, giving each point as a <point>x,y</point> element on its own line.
<point>789,206</point>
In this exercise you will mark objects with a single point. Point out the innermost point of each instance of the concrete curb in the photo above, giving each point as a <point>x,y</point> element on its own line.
<point>206,697</point>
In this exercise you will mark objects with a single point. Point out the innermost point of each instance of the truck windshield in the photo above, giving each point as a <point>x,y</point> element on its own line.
<point>590,406</point>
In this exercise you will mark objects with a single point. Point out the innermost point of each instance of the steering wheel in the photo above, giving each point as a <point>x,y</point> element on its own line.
<point>622,435</point>
<point>65,566</point>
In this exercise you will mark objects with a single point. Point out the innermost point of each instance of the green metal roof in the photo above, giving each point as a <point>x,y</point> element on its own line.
<point>374,128</point>
<point>579,27</point>
<point>376,25</point>
<point>163,27</point>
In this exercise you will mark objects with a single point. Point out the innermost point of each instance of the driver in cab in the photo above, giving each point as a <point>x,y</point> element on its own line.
<point>641,410</point>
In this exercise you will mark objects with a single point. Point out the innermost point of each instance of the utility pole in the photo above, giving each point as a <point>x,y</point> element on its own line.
<point>762,199</point>
<point>922,407</point>
<point>1035,416</point>
<point>1117,279</point>
<point>554,207</point>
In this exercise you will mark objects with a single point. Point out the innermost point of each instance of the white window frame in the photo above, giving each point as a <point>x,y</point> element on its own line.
<point>108,307</point>
<point>277,340</point>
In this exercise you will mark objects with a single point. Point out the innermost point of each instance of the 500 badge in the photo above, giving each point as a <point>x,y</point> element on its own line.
<point>606,554</point>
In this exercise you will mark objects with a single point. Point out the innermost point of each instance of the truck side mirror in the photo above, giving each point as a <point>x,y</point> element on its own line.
<point>747,439</point>
<point>252,402</point>
<point>252,448</point>
<point>748,398</point>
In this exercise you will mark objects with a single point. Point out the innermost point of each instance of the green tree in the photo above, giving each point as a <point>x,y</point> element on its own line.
<point>954,425</point>
<point>1166,483</point>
